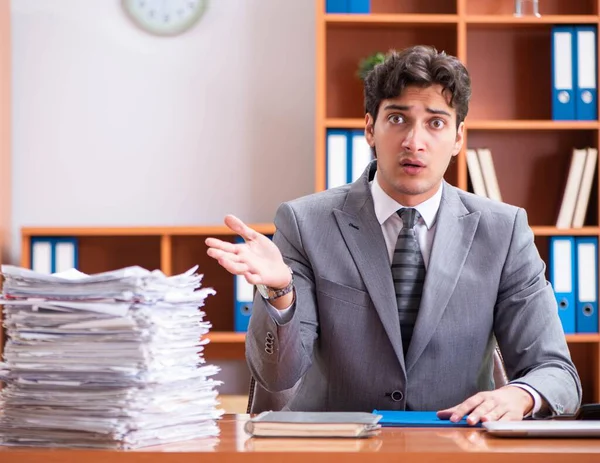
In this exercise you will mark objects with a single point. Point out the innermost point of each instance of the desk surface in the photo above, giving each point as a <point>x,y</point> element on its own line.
<point>408,445</point>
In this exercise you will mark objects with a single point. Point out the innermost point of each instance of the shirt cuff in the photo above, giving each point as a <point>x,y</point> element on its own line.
<point>283,316</point>
<point>537,398</point>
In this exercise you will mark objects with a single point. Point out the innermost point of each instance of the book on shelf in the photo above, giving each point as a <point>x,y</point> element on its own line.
<point>475,173</point>
<point>489,174</point>
<point>578,188</point>
<point>483,174</point>
<point>585,189</point>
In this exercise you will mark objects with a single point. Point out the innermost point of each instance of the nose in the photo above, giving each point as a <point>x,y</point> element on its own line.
<point>414,141</point>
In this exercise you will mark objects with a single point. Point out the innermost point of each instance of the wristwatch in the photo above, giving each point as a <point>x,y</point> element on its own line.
<point>270,294</point>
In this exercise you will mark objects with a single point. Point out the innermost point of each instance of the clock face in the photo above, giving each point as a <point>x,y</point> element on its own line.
<point>165,17</point>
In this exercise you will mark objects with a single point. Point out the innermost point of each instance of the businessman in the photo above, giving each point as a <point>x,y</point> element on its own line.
<point>392,292</point>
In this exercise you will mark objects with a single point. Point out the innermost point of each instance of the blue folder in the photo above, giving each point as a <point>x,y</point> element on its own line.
<point>586,61</point>
<point>564,72</point>
<point>411,419</point>
<point>337,6</point>
<point>586,305</point>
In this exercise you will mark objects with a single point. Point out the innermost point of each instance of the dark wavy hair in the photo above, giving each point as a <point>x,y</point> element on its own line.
<point>420,66</point>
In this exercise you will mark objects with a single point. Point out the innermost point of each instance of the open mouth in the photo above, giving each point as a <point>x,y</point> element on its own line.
<point>412,163</point>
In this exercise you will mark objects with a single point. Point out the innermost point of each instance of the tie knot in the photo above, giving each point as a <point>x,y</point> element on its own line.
<point>409,216</point>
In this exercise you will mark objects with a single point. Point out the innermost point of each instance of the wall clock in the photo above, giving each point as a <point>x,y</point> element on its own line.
<point>165,17</point>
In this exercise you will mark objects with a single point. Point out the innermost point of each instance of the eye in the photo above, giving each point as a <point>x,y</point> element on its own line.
<point>438,123</point>
<point>396,119</point>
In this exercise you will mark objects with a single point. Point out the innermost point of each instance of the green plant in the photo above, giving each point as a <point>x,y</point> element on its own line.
<point>367,64</point>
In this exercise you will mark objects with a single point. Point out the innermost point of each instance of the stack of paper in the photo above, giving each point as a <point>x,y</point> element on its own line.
<point>112,360</point>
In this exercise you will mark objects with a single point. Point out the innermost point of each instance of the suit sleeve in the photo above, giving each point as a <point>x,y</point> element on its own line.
<point>278,355</point>
<point>528,329</point>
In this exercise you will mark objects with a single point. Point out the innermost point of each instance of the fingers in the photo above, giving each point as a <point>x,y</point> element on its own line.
<point>489,410</point>
<point>455,414</point>
<point>446,414</point>
<point>229,262</point>
<point>239,227</point>
<point>221,245</point>
<point>498,405</point>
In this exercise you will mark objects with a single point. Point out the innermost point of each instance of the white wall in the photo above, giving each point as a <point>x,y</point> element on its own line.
<point>112,126</point>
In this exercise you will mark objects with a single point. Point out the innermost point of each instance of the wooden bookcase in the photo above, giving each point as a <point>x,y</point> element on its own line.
<point>170,249</point>
<point>509,60</point>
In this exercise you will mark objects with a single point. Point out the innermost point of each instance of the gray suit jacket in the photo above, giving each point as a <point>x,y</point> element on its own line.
<point>342,349</point>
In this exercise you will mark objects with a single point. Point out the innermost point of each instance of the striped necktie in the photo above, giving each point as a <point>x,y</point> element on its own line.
<point>408,271</point>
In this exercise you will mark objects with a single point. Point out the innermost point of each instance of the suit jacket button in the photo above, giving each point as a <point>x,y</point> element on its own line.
<point>397,396</point>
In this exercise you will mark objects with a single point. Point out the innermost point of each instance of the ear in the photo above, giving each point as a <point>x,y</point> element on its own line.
<point>460,136</point>
<point>370,130</point>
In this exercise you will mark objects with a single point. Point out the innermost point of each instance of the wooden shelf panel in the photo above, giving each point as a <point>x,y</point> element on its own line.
<point>545,20</point>
<point>583,338</point>
<point>226,337</point>
<point>347,123</point>
<point>553,231</point>
<point>547,8</point>
<point>366,19</point>
<point>530,125</point>
<point>265,228</point>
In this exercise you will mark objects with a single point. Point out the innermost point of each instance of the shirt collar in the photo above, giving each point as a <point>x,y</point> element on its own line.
<point>385,206</point>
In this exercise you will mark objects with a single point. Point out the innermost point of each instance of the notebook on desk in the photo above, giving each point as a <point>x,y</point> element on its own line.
<point>544,428</point>
<point>416,419</point>
<point>313,424</point>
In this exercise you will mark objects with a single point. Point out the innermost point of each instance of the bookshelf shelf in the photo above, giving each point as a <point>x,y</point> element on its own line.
<point>544,20</point>
<point>365,19</point>
<point>351,123</point>
<point>226,337</point>
<point>139,231</point>
<point>548,8</point>
<point>583,338</point>
<point>530,125</point>
<point>553,231</point>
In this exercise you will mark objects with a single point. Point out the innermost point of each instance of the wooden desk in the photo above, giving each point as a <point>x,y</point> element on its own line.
<point>393,444</point>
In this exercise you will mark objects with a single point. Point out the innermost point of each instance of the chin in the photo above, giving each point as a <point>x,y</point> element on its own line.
<point>412,188</point>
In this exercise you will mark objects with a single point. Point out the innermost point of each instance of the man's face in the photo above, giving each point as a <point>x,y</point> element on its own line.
<point>415,137</point>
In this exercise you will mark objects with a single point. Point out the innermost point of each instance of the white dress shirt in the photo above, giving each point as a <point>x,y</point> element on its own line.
<point>386,212</point>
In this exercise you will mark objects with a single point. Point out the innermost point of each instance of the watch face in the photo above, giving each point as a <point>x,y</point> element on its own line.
<point>165,17</point>
<point>264,292</point>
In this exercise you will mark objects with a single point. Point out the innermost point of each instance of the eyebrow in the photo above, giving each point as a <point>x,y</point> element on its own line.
<point>407,108</point>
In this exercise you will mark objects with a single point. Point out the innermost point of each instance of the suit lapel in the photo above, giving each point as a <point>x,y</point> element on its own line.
<point>455,229</point>
<point>362,233</point>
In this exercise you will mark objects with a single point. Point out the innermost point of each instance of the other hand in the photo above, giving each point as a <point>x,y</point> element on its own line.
<point>508,403</point>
